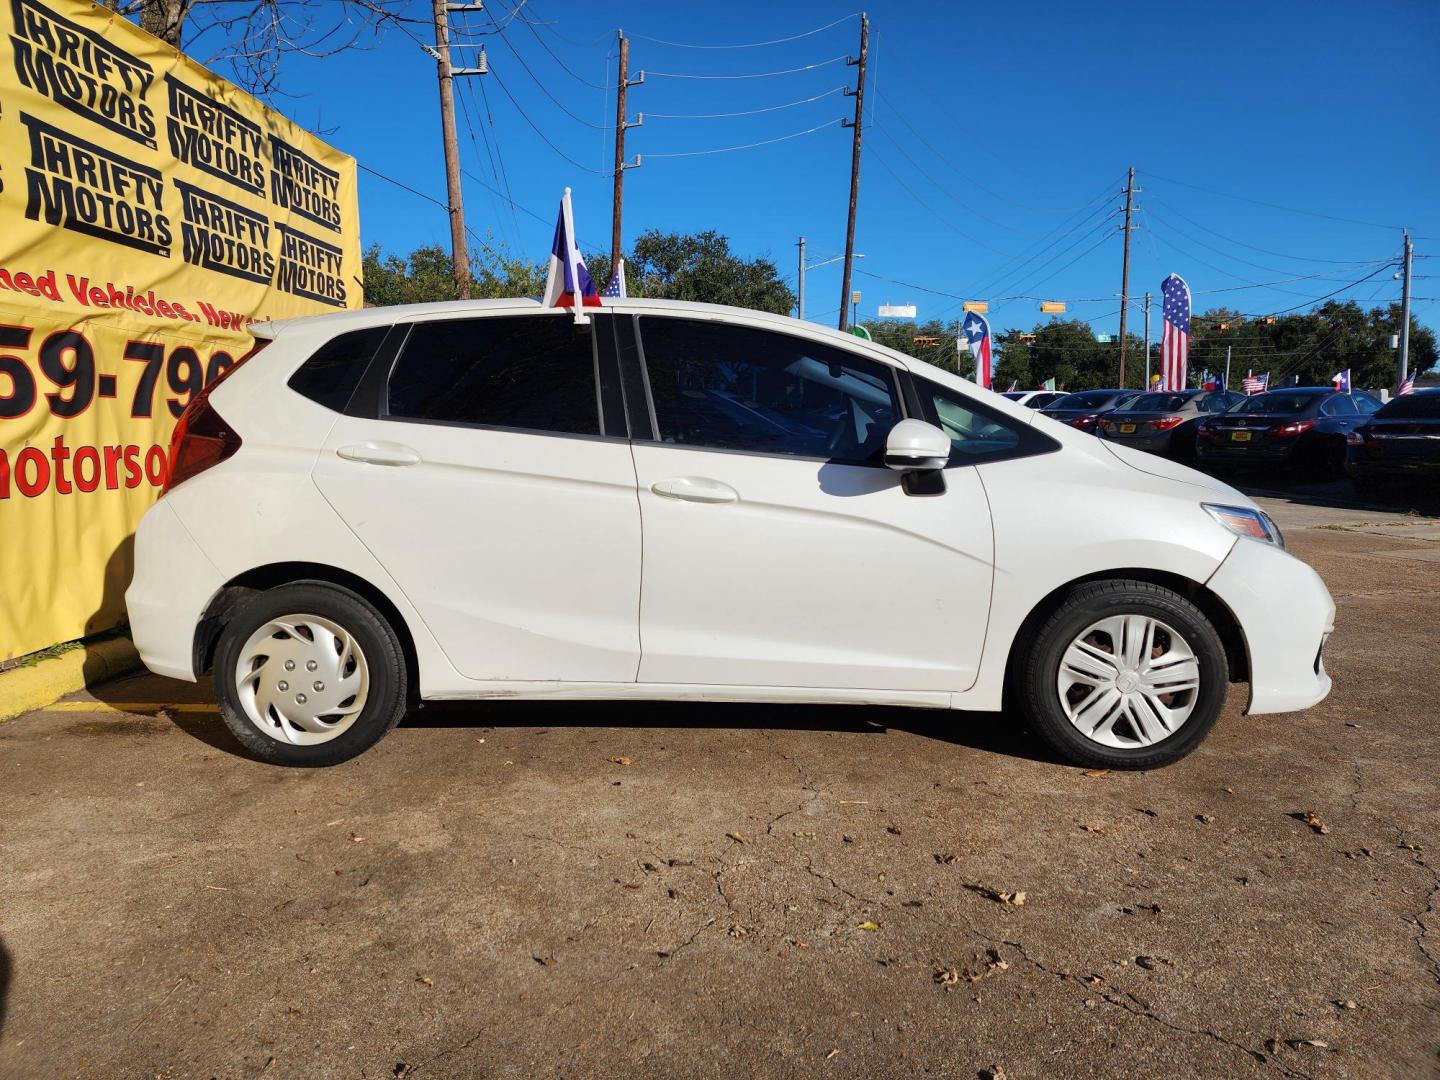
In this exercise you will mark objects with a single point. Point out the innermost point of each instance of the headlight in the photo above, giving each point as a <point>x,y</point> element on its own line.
<point>1242,521</point>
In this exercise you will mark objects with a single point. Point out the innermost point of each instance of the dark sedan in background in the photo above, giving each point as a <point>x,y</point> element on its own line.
<point>1083,409</point>
<point>1302,427</point>
<point>1401,441</point>
<point>1164,422</point>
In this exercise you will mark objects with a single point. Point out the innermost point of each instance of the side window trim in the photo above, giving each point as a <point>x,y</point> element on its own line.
<point>367,402</point>
<point>895,376</point>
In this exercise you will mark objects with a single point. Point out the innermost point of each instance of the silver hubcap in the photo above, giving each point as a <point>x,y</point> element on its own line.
<point>302,679</point>
<point>1128,681</point>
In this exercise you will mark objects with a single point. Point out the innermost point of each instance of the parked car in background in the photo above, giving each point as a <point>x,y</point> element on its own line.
<point>1082,410</point>
<point>1300,427</point>
<point>1399,442</point>
<point>1033,399</point>
<point>685,502</point>
<point>1163,422</point>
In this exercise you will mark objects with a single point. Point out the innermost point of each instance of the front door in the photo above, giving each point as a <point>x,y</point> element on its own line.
<point>490,491</point>
<point>778,549</point>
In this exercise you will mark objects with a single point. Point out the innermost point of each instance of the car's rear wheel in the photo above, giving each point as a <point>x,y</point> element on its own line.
<point>309,674</point>
<point>1123,675</point>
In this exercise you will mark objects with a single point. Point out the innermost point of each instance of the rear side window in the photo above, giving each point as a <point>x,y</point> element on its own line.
<point>530,372</point>
<point>330,376</point>
<point>1339,406</point>
<point>1424,406</point>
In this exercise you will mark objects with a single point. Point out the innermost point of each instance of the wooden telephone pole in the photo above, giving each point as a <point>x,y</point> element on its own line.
<point>621,124</point>
<point>1125,270</point>
<point>459,251</point>
<point>859,94</point>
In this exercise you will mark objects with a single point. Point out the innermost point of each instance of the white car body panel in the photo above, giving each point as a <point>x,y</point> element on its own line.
<point>528,565</point>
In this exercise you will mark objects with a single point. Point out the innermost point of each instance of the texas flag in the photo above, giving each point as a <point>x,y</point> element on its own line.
<point>1342,381</point>
<point>976,329</point>
<point>568,276</point>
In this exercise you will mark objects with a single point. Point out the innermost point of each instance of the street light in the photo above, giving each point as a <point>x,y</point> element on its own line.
<point>802,267</point>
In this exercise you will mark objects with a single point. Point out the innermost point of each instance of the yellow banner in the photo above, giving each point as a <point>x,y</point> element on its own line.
<point>149,211</point>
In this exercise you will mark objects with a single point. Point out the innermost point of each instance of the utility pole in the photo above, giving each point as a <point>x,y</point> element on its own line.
<point>859,94</point>
<point>1405,310</point>
<point>1125,270</point>
<point>800,279</point>
<point>459,253</point>
<point>1147,341</point>
<point>621,126</point>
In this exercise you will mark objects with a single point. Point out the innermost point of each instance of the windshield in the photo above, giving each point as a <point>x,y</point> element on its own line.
<point>1277,401</point>
<point>1091,399</point>
<point>1156,403</point>
<point>1411,407</point>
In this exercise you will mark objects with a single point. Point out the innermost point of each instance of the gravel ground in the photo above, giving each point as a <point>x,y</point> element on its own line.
<point>520,889</point>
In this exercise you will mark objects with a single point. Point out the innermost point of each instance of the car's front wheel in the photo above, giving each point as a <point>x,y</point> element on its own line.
<point>1124,675</point>
<point>309,674</point>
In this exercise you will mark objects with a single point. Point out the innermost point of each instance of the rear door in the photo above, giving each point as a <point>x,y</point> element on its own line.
<point>482,476</point>
<point>779,550</point>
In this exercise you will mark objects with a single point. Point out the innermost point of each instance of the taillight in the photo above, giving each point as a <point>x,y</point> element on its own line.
<point>1206,430</point>
<point>1299,427</point>
<point>1083,421</point>
<point>1165,423</point>
<point>1103,424</point>
<point>202,438</point>
<point>1354,438</point>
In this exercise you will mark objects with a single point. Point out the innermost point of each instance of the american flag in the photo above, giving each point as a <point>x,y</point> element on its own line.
<point>1406,387</point>
<point>616,289</point>
<point>1256,384</point>
<point>977,339</point>
<point>1175,340</point>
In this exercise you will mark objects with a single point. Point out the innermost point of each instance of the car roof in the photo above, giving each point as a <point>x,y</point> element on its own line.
<point>359,319</point>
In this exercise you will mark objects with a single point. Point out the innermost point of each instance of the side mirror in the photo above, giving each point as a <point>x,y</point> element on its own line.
<point>915,446</point>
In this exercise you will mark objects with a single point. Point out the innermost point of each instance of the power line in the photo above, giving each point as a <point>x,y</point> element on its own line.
<point>754,75</point>
<point>1237,258</point>
<point>1242,243</point>
<point>1272,206</point>
<point>745,112</point>
<point>536,128</point>
<point>752,44</point>
<point>935,213</point>
<point>744,146</point>
<point>555,56</point>
<point>546,90</point>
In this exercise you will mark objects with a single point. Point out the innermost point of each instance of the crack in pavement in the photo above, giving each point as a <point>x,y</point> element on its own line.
<point>1136,1007</point>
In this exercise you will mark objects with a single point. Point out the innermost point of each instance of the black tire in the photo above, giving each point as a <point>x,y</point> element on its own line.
<point>1038,670</point>
<point>388,690</point>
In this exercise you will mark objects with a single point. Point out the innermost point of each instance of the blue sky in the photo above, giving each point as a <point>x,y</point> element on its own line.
<point>999,132</point>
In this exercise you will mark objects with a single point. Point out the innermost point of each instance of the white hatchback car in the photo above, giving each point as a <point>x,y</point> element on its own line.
<point>680,501</point>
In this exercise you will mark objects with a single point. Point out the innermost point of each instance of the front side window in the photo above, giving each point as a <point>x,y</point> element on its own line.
<point>530,372</point>
<point>975,434</point>
<point>729,387</point>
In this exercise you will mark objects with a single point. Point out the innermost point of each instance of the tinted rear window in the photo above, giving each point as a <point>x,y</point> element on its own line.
<point>532,372</point>
<point>330,376</point>
<point>1412,407</point>
<point>1277,401</point>
<point>1093,399</point>
<point>1156,402</point>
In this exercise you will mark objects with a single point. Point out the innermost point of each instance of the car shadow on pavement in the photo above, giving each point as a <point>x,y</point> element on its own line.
<point>998,733</point>
<point>1338,494</point>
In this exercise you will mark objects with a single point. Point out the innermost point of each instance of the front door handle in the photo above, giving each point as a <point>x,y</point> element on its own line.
<point>699,489</point>
<point>380,453</point>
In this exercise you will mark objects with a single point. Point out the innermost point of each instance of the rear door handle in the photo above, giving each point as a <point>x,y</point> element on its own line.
<point>699,489</point>
<point>380,453</point>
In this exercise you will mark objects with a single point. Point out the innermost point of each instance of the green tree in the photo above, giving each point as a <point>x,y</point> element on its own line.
<point>933,342</point>
<point>701,268</point>
<point>426,275</point>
